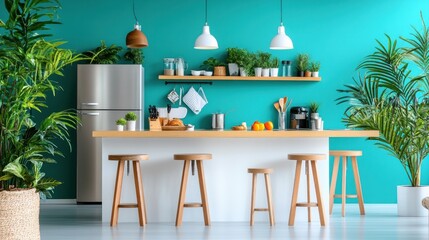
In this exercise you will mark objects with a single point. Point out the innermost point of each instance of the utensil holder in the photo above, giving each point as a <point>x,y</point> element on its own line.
<point>282,121</point>
<point>155,125</point>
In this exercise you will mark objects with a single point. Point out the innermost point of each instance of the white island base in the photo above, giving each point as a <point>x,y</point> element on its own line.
<point>228,183</point>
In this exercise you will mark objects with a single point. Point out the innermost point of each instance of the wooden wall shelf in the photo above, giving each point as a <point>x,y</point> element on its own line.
<point>238,78</point>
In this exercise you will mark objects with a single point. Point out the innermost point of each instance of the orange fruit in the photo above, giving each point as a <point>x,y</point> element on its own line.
<point>269,125</point>
<point>261,126</point>
<point>256,127</point>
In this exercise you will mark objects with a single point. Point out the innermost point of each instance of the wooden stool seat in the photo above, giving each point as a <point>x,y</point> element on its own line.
<point>344,154</point>
<point>266,172</point>
<point>140,205</point>
<point>188,159</point>
<point>308,158</point>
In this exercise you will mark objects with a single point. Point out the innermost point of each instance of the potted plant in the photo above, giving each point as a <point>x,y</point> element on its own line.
<point>134,55</point>
<point>390,98</point>
<point>274,67</point>
<point>120,124</point>
<point>314,69</point>
<point>246,61</point>
<point>28,65</point>
<point>131,119</point>
<point>302,64</point>
<point>212,64</point>
<point>261,64</point>
<point>233,54</point>
<point>314,109</point>
<point>104,54</point>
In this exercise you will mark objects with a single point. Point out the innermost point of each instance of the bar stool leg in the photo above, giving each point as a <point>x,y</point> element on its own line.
<point>358,185</point>
<point>333,183</point>
<point>182,193</point>
<point>252,201</point>
<point>203,193</point>
<point>307,173</point>
<point>117,194</point>
<point>343,193</point>
<point>139,193</point>
<point>295,193</point>
<point>318,195</point>
<point>270,204</point>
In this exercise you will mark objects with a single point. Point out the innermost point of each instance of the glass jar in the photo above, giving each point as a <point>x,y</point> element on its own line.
<point>288,68</point>
<point>169,66</point>
<point>282,121</point>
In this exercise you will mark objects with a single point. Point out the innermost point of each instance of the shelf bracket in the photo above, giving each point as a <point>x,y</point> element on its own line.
<point>180,82</point>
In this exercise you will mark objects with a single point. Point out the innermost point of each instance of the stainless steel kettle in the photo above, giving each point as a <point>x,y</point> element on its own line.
<point>218,121</point>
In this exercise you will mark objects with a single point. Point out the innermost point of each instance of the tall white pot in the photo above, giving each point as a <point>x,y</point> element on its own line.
<point>410,201</point>
<point>131,125</point>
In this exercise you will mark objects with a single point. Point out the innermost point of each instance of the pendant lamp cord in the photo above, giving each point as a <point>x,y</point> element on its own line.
<point>281,11</point>
<point>134,11</point>
<point>206,12</point>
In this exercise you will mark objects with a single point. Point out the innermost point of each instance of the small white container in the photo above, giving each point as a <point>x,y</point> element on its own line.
<point>131,125</point>
<point>208,73</point>
<point>120,127</point>
<point>195,72</point>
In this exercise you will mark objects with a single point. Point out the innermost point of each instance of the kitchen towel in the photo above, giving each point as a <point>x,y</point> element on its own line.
<point>195,100</point>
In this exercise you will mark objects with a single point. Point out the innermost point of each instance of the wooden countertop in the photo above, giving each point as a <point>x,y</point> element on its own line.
<point>235,134</point>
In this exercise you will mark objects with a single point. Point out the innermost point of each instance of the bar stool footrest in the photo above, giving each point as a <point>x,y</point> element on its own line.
<point>347,196</point>
<point>261,209</point>
<point>312,204</point>
<point>193,205</point>
<point>128,205</point>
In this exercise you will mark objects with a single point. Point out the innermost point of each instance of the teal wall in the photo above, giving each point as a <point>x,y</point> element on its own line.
<point>339,34</point>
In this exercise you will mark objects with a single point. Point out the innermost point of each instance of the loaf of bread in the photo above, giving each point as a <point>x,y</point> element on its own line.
<point>239,128</point>
<point>175,122</point>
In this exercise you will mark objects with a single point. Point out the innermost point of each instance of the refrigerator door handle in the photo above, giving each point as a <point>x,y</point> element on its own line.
<point>90,104</point>
<point>91,114</point>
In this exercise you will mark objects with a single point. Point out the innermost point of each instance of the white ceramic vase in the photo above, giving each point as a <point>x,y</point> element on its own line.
<point>233,69</point>
<point>274,72</point>
<point>265,72</point>
<point>315,74</point>
<point>243,72</point>
<point>410,201</point>
<point>120,127</point>
<point>258,72</point>
<point>131,125</point>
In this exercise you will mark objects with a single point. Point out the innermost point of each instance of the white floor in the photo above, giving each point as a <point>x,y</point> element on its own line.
<point>380,222</point>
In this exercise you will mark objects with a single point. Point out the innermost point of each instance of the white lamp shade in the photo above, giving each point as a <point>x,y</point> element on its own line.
<point>281,41</point>
<point>206,40</point>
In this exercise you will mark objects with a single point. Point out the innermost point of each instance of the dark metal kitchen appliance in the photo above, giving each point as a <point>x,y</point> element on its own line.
<point>299,118</point>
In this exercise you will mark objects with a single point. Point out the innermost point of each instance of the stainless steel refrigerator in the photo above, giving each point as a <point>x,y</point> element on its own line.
<point>105,93</point>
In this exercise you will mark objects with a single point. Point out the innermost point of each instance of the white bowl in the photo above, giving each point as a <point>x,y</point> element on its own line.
<point>208,73</point>
<point>195,72</point>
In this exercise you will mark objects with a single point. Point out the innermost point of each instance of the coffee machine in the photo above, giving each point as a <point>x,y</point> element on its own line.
<point>299,118</point>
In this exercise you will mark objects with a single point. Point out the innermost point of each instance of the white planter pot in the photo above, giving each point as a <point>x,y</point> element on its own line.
<point>410,201</point>
<point>258,72</point>
<point>265,72</point>
<point>131,125</point>
<point>243,72</point>
<point>274,72</point>
<point>314,115</point>
<point>120,127</point>
<point>315,74</point>
<point>233,69</point>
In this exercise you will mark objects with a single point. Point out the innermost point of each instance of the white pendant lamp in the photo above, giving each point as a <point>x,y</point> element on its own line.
<point>206,41</point>
<point>281,41</point>
<point>136,38</point>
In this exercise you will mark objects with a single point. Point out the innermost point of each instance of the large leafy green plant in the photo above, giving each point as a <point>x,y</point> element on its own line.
<point>28,65</point>
<point>392,96</point>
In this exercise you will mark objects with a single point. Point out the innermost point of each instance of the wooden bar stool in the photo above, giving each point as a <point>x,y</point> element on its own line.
<point>266,172</point>
<point>191,159</point>
<point>344,154</point>
<point>308,158</point>
<point>141,207</point>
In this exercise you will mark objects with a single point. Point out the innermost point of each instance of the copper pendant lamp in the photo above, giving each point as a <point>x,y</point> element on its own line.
<point>136,38</point>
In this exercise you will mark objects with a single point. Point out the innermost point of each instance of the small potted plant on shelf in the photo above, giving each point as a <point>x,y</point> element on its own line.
<point>302,64</point>
<point>274,67</point>
<point>131,119</point>
<point>314,69</point>
<point>120,124</point>
<point>212,64</point>
<point>246,61</point>
<point>233,54</point>
<point>261,64</point>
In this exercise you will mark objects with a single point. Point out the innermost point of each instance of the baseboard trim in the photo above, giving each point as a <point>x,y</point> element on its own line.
<point>58,201</point>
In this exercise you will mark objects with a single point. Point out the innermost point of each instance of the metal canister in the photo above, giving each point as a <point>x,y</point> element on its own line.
<point>218,121</point>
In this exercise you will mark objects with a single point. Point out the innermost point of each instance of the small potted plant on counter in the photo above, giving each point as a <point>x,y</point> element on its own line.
<point>131,119</point>
<point>274,67</point>
<point>120,124</point>
<point>314,109</point>
<point>314,69</point>
<point>302,64</point>
<point>212,64</point>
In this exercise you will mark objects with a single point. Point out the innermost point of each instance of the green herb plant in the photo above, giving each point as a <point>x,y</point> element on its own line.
<point>131,116</point>
<point>134,55</point>
<point>104,54</point>
<point>121,121</point>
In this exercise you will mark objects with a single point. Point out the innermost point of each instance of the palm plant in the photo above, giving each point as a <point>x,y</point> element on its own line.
<point>28,64</point>
<point>393,97</point>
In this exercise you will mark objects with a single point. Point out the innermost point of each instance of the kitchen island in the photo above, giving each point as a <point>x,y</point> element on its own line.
<point>227,180</point>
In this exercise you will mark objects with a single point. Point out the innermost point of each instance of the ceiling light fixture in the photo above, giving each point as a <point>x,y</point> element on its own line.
<point>206,40</point>
<point>281,41</point>
<point>136,38</point>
